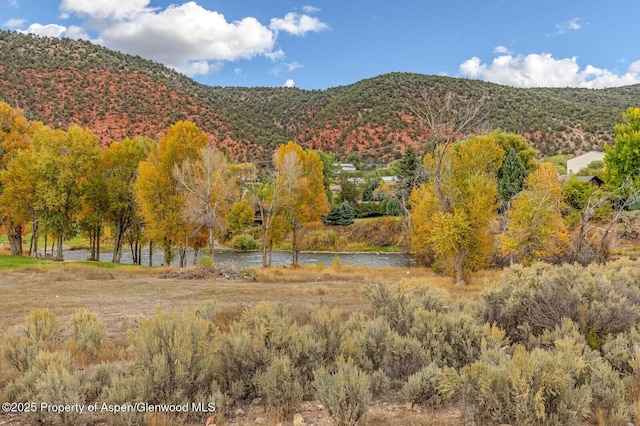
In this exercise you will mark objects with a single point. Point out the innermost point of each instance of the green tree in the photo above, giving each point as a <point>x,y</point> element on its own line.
<point>511,177</point>
<point>453,220</point>
<point>121,160</point>
<point>622,160</point>
<point>65,162</point>
<point>410,173</point>
<point>241,216</point>
<point>341,215</point>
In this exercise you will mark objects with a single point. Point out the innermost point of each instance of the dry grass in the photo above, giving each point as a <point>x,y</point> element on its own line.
<point>123,296</point>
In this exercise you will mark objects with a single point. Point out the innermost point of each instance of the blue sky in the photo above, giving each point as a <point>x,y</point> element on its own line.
<point>316,44</point>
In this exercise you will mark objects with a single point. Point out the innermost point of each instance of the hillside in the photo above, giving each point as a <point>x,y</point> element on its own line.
<point>63,81</point>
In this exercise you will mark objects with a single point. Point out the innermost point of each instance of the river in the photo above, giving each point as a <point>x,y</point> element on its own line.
<point>254,258</point>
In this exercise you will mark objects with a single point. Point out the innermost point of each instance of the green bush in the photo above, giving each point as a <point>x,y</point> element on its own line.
<point>452,338</point>
<point>397,304</point>
<point>20,352</point>
<point>88,332</point>
<point>170,353</point>
<point>52,379</point>
<point>280,388</point>
<point>327,328</point>
<point>529,300</point>
<point>404,356</point>
<point>344,390</point>
<point>422,387</point>
<point>244,242</point>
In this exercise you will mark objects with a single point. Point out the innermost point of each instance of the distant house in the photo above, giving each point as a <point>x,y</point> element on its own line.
<point>593,180</point>
<point>581,161</point>
<point>347,167</point>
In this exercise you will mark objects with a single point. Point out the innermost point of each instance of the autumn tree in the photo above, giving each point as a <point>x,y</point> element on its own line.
<point>65,160</point>
<point>535,227</point>
<point>160,199</point>
<point>622,160</point>
<point>121,160</point>
<point>208,186</point>
<point>294,196</point>
<point>15,135</point>
<point>452,219</point>
<point>19,182</point>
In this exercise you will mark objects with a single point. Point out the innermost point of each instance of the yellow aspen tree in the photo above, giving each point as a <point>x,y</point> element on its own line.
<point>157,189</point>
<point>15,136</point>
<point>535,228</point>
<point>453,218</point>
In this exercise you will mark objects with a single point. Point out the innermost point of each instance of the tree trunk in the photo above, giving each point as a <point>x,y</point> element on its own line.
<point>34,238</point>
<point>458,266</point>
<point>294,242</point>
<point>14,233</point>
<point>151,253</point>
<point>98,241</point>
<point>212,243</point>
<point>59,254</point>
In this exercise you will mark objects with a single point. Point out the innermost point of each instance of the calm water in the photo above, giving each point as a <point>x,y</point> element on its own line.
<point>239,260</point>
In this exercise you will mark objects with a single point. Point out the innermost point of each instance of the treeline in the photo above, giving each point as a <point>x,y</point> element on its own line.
<point>177,193</point>
<point>468,203</point>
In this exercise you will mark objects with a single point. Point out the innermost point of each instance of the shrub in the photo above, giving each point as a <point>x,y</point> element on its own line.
<point>169,350</point>
<point>237,359</point>
<point>87,331</point>
<point>344,391</point>
<point>545,387</point>
<point>52,379</point>
<point>44,328</point>
<point>396,303</point>
<point>608,392</point>
<point>326,327</point>
<point>404,356</point>
<point>280,388</point>
<point>422,387</point>
<point>244,242</point>
<point>99,381</point>
<point>533,299</point>
<point>20,352</point>
<point>452,338</point>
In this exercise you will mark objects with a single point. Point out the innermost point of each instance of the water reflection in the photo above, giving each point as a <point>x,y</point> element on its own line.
<point>239,260</point>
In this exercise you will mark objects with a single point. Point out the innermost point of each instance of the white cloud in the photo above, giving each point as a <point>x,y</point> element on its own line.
<point>13,3</point>
<point>564,27</point>
<point>186,36</point>
<point>296,24</point>
<point>14,23</point>
<point>543,70</point>
<point>49,30</point>
<point>501,49</point>
<point>292,66</point>
<point>310,9</point>
<point>289,83</point>
<point>106,9</point>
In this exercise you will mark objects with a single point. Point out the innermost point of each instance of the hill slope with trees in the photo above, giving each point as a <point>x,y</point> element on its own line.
<point>63,82</point>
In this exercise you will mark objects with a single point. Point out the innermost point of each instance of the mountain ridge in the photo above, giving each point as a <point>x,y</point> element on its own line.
<point>64,81</point>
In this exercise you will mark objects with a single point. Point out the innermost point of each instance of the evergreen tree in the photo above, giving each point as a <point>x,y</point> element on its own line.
<point>341,215</point>
<point>511,177</point>
<point>410,173</point>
